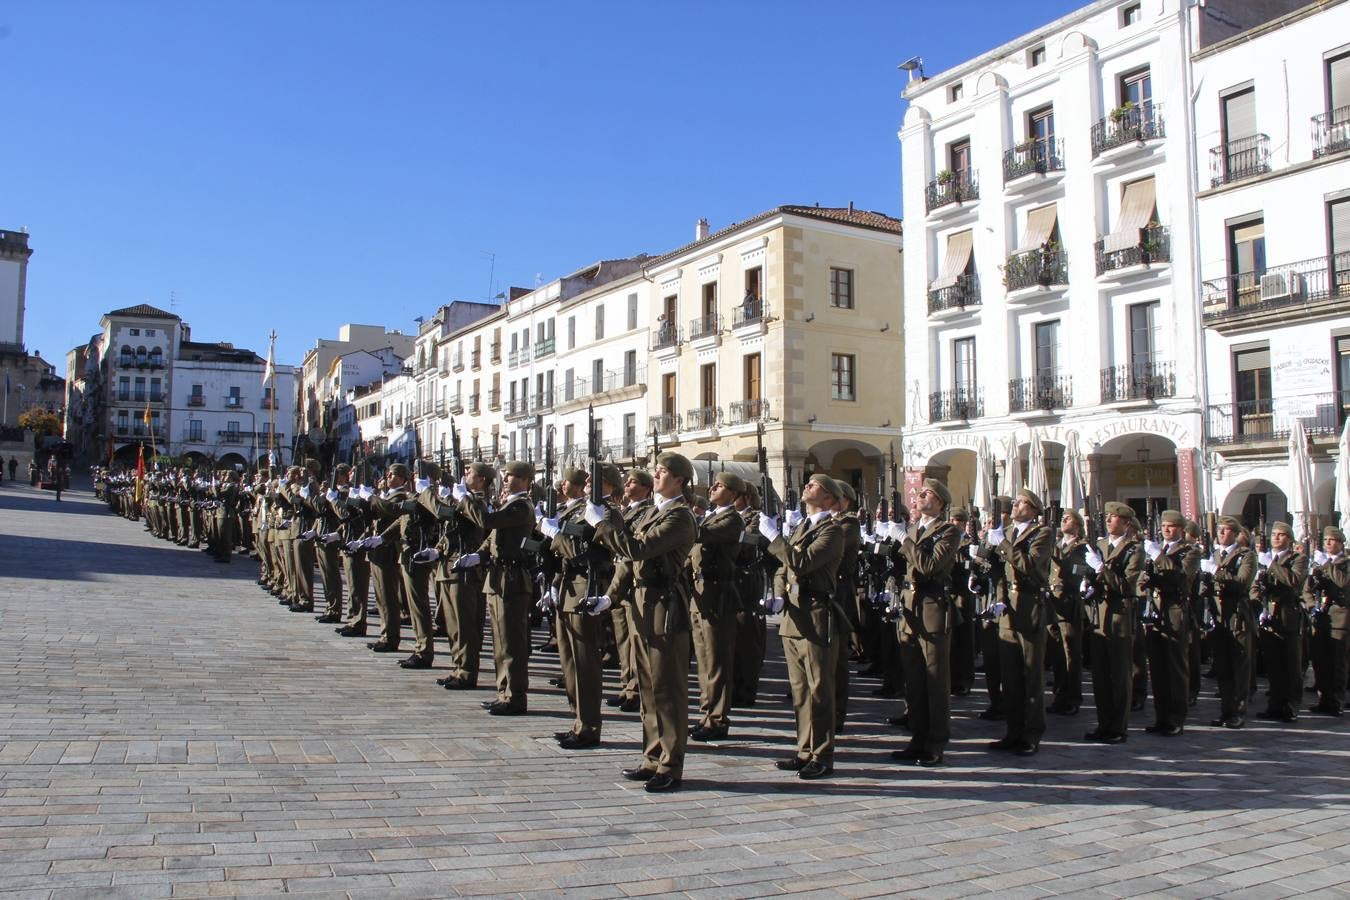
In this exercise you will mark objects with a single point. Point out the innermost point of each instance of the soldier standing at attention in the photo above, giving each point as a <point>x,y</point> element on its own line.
<point>1329,590</point>
<point>637,497</point>
<point>713,562</point>
<point>327,548</point>
<point>928,613</point>
<point>1234,571</point>
<point>1175,564</point>
<point>1119,563</point>
<point>1282,624</point>
<point>350,509</point>
<point>464,604</point>
<point>658,543</point>
<point>846,597</point>
<point>1068,567</point>
<point>804,592</point>
<point>1025,555</point>
<point>753,572</point>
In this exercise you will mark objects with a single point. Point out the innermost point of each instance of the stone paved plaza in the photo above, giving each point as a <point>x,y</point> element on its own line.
<point>167,730</point>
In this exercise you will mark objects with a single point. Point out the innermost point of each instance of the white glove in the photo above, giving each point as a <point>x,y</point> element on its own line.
<point>973,551</point>
<point>287,523</point>
<point>459,490</point>
<point>374,541</point>
<point>365,492</point>
<point>1263,619</point>
<point>1094,560</point>
<point>333,496</point>
<point>355,546</point>
<point>330,537</point>
<point>468,561</point>
<point>549,601</point>
<point>597,605</point>
<point>972,585</point>
<point>998,608</point>
<point>1085,588</point>
<point>443,491</point>
<point>539,509</point>
<point>428,555</point>
<point>1264,558</point>
<point>995,537</point>
<point>768,526</point>
<point>595,513</point>
<point>772,605</point>
<point>304,492</point>
<point>792,519</point>
<point>1209,566</point>
<point>1153,549</point>
<point>549,527</point>
<point>868,537</point>
<point>1320,557</point>
<point>307,535</point>
<point>898,531</point>
<point>421,484</point>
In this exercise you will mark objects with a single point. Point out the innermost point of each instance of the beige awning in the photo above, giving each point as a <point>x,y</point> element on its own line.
<point>954,265</point>
<point>1136,210</point>
<point>1040,226</point>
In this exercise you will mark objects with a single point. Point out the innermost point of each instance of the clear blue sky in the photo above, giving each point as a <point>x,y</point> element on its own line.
<point>297,164</point>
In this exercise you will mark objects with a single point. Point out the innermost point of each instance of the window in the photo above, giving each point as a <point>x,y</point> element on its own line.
<point>569,438</point>
<point>1036,57</point>
<point>1238,115</point>
<point>149,332</point>
<point>569,384</point>
<point>140,390</point>
<point>630,368</point>
<point>1131,14</point>
<point>1143,324</point>
<point>1247,260</point>
<point>154,422</point>
<point>1251,390</point>
<point>707,385</point>
<point>709,304</point>
<point>1136,87</point>
<point>630,434</point>
<point>958,156</point>
<point>122,420</point>
<point>632,311</point>
<point>963,368</point>
<point>668,394</point>
<point>956,92</point>
<point>1041,125</point>
<point>597,376</point>
<point>1047,350</point>
<point>134,332</point>
<point>571,332</point>
<point>155,390</point>
<point>1338,232</point>
<point>234,400</point>
<point>754,283</point>
<point>842,385</point>
<point>196,398</point>
<point>124,388</point>
<point>752,380</point>
<point>515,342</point>
<point>195,430</point>
<point>841,288</point>
<point>232,427</point>
<point>1343,378</point>
<point>1338,86</point>
<point>512,444</point>
<point>599,322</point>
<point>524,339</point>
<point>669,308</point>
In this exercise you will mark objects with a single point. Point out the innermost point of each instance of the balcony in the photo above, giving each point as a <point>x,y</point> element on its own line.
<point>1040,394</point>
<point>194,437</point>
<point>951,189</point>
<point>457,362</point>
<point>494,399</point>
<point>1244,158</point>
<point>1138,382</point>
<point>138,397</point>
<point>749,314</point>
<point>956,406</point>
<point>124,396</point>
<point>1128,125</point>
<point>666,423</point>
<point>748,412</point>
<point>156,361</point>
<point>1035,272</point>
<point>544,348</point>
<point>666,337</point>
<point>704,328</point>
<point>704,418</point>
<point>230,437</point>
<point>157,397</point>
<point>441,408</point>
<point>268,403</point>
<point>541,402</point>
<point>1268,420</point>
<point>126,362</point>
<point>198,400</point>
<point>496,353</point>
<point>1309,289</point>
<point>517,408</point>
<point>516,357</point>
<point>1032,160</point>
<point>473,404</point>
<point>456,404</point>
<point>234,401</point>
<point>955,298</point>
<point>1155,246</point>
<point>1331,132</point>
<point>476,360</point>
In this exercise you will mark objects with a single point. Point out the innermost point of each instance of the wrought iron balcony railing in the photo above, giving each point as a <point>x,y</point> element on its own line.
<point>1331,132</point>
<point>703,418</point>
<point>1239,159</point>
<point>1128,124</point>
<point>666,423</point>
<point>744,412</point>
<point>544,348</point>
<point>1155,246</point>
<point>1293,284</point>
<point>952,187</point>
<point>1040,392</point>
<point>1138,381</point>
<point>749,312</point>
<point>964,293</point>
<point>1042,267</point>
<point>705,326</point>
<point>1033,157</point>
<point>959,405</point>
<point>1270,419</point>
<point>664,335</point>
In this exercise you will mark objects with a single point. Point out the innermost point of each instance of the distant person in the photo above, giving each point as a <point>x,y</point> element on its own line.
<point>13,467</point>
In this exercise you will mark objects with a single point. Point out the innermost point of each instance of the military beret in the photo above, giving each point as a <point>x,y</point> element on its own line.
<point>1121,510</point>
<point>940,489</point>
<point>1282,526</point>
<point>574,475</point>
<point>641,476</point>
<point>959,515</point>
<point>734,482</point>
<point>1029,495</point>
<point>343,468</point>
<point>1230,522</point>
<point>753,494</point>
<point>1004,501</point>
<point>1332,533</point>
<point>483,469</point>
<point>518,468</point>
<point>849,493</point>
<point>1192,529</point>
<point>431,471</point>
<point>400,470</point>
<point>313,465</point>
<point>1172,517</point>
<point>828,483</point>
<point>677,465</point>
<point>610,475</point>
<point>290,470</point>
<point>1076,516</point>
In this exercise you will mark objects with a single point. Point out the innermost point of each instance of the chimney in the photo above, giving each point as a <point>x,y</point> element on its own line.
<point>701,229</point>
<point>850,206</point>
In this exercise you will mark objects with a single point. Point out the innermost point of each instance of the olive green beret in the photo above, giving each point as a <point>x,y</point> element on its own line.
<point>940,489</point>
<point>1230,522</point>
<point>1122,510</point>
<point>483,469</point>
<point>959,515</point>
<point>343,468</point>
<point>610,475</point>
<point>519,469</point>
<point>399,469</point>
<point>313,466</point>
<point>1172,517</point>
<point>1192,529</point>
<point>828,483</point>
<point>642,477</point>
<point>431,471</point>
<point>734,482</point>
<point>574,475</point>
<point>1332,533</point>
<point>753,494</point>
<point>1030,496</point>
<point>677,465</point>
<point>1282,526</point>
<point>1076,516</point>
<point>849,493</point>
<point>1004,501</point>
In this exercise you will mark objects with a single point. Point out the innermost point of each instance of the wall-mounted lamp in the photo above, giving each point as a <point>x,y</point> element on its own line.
<point>810,317</point>
<point>886,327</point>
<point>811,420</point>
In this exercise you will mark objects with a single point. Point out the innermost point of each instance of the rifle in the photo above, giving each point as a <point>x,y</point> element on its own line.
<point>882,512</point>
<point>550,491</point>
<point>456,458</point>
<point>768,503</point>
<point>895,482</point>
<point>790,495</point>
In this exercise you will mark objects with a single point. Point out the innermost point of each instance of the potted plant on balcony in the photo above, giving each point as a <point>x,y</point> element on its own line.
<point>1150,242</point>
<point>946,177</point>
<point>1121,112</point>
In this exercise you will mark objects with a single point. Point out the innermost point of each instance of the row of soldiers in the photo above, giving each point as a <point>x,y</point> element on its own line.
<point>635,566</point>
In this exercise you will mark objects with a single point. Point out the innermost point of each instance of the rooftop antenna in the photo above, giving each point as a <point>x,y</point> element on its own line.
<point>912,65</point>
<point>492,270</point>
<point>173,300</point>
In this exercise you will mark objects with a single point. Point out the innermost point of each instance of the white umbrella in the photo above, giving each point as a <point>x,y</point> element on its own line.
<point>1343,476</point>
<point>1300,480</point>
<point>1036,480</point>
<point>984,476</point>
<point>1071,493</point>
<point>1012,467</point>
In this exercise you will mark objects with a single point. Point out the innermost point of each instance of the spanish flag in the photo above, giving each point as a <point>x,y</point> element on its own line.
<point>146,418</point>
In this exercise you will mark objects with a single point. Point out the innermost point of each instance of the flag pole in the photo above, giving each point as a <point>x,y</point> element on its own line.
<point>272,405</point>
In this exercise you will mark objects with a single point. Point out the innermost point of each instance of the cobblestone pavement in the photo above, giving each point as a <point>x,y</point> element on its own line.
<point>167,730</point>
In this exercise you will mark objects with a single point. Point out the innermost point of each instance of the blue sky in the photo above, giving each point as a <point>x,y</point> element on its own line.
<point>297,164</point>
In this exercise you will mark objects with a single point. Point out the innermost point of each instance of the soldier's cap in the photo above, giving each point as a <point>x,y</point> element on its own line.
<point>753,494</point>
<point>960,515</point>
<point>677,465</point>
<point>1282,526</point>
<point>1122,510</point>
<point>1229,522</point>
<point>1331,532</point>
<point>828,483</point>
<point>400,470</point>
<point>1029,495</point>
<point>293,470</point>
<point>1172,517</point>
<point>518,468</point>
<point>1076,516</point>
<point>313,466</point>
<point>1004,502</point>
<point>483,469</point>
<point>343,468</point>
<point>574,475</point>
<point>642,477</point>
<point>733,482</point>
<point>431,471</point>
<point>940,489</point>
<point>849,493</point>
<point>610,475</point>
<point>1193,530</point>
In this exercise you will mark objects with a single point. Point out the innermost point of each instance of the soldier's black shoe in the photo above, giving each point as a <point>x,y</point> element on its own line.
<point>302,607</point>
<point>638,773</point>
<point>909,754</point>
<point>662,783</point>
<point>556,682</point>
<point>577,742</point>
<point>1003,744</point>
<point>616,700</point>
<point>790,763</point>
<point>382,647</point>
<point>415,661</point>
<point>814,769</point>
<point>960,690</point>
<point>632,704</point>
<point>899,721</point>
<point>328,620</point>
<point>708,734</point>
<point>1027,748</point>
<point>351,630</point>
<point>930,760</point>
<point>1235,722</point>
<point>992,715</point>
<point>1164,730</point>
<point>1322,709</point>
<point>455,683</point>
<point>506,709</point>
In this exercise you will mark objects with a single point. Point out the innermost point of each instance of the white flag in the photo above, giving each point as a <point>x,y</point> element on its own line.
<point>268,370</point>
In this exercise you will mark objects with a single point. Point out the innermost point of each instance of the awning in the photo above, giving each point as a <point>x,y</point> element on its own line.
<point>747,470</point>
<point>1136,210</point>
<point>959,247</point>
<point>1040,226</point>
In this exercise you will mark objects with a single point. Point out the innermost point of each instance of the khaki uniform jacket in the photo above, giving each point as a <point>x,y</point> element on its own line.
<point>1026,568</point>
<point>621,584</point>
<point>504,528</point>
<point>806,580</point>
<point>1174,571</point>
<point>576,555</point>
<point>713,562</point>
<point>1285,579</point>
<point>1338,610</point>
<point>1233,584</point>
<point>658,543</point>
<point>927,596</point>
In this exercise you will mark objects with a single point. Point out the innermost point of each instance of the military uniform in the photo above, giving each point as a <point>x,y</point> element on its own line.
<point>461,591</point>
<point>1330,596</point>
<point>1068,567</point>
<point>716,603</point>
<point>1169,631</point>
<point>621,594</point>
<point>1281,631</point>
<point>586,570</point>
<point>1235,635</point>
<point>754,569</point>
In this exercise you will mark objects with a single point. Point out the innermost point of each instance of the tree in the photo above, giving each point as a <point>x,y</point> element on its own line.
<point>40,422</point>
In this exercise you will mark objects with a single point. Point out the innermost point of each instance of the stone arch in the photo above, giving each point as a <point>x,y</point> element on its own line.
<point>853,461</point>
<point>990,81</point>
<point>1254,499</point>
<point>1075,42</point>
<point>230,460</point>
<point>955,467</point>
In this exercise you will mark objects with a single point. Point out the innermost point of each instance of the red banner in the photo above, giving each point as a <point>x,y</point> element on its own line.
<point>1190,506</point>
